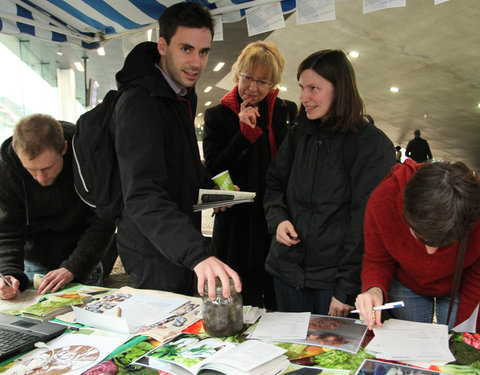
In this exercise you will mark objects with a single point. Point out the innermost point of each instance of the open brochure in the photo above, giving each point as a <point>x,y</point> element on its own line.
<point>52,305</point>
<point>213,198</point>
<point>189,355</point>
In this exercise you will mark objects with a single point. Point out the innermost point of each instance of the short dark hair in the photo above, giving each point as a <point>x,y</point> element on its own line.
<point>441,202</point>
<point>183,14</point>
<point>38,132</point>
<point>416,133</point>
<point>347,105</point>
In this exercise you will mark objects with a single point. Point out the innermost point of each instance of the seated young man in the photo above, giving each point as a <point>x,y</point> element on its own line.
<point>44,226</point>
<point>413,224</point>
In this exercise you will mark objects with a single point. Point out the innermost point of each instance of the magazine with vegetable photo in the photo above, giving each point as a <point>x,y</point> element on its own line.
<point>374,367</point>
<point>189,354</point>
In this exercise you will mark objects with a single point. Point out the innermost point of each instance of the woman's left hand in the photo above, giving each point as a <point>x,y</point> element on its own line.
<point>338,308</point>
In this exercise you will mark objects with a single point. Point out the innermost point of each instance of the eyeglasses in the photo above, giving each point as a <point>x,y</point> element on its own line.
<point>259,82</point>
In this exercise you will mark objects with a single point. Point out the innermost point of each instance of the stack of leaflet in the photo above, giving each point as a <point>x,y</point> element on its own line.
<point>420,344</point>
<point>251,314</point>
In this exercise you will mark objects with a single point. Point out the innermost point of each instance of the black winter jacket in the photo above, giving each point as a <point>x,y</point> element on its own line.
<point>240,236</point>
<point>309,185</point>
<point>159,162</point>
<point>48,225</point>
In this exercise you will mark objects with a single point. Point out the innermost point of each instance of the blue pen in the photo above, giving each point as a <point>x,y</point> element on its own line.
<point>387,306</point>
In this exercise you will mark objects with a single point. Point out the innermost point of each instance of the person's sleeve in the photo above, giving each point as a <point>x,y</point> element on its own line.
<point>470,287</point>
<point>221,150</point>
<point>91,247</point>
<point>275,201</point>
<point>140,138</point>
<point>375,159</point>
<point>378,266</point>
<point>408,151</point>
<point>12,234</point>
<point>429,153</point>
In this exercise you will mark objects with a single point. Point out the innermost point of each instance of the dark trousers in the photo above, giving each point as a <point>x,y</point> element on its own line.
<point>154,271</point>
<point>290,299</point>
<point>108,260</point>
<point>257,289</point>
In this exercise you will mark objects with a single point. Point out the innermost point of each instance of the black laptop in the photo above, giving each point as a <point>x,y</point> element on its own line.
<point>19,334</point>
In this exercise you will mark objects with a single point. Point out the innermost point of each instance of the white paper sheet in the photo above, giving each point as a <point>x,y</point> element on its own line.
<point>374,5</point>
<point>309,11</point>
<point>264,18</point>
<point>282,326</point>
<point>407,341</point>
<point>469,325</point>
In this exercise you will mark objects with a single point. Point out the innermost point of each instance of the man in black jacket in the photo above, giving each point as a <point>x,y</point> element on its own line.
<point>44,226</point>
<point>159,238</point>
<point>418,148</point>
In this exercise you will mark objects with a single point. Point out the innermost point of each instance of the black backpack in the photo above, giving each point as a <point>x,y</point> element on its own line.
<point>95,167</point>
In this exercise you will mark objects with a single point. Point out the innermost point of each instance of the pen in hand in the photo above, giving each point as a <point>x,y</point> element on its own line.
<point>8,283</point>
<point>387,306</point>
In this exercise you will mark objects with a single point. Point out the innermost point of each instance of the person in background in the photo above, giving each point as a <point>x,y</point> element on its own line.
<point>418,148</point>
<point>317,189</point>
<point>242,135</point>
<point>398,154</point>
<point>159,237</point>
<point>413,224</point>
<point>45,227</point>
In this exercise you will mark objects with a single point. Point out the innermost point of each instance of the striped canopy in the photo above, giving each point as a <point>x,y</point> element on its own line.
<point>90,23</point>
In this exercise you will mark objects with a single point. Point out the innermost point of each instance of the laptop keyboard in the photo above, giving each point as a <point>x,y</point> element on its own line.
<point>9,340</point>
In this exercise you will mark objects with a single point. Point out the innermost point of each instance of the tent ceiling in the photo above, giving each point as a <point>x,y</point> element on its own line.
<point>429,51</point>
<point>91,23</point>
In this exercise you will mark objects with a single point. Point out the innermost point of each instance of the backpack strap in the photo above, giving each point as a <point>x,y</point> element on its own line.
<point>457,276</point>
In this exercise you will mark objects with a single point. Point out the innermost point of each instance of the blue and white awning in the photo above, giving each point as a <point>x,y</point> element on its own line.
<point>89,23</point>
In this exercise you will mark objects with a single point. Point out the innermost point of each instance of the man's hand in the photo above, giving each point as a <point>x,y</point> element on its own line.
<point>248,115</point>
<point>211,268</point>
<point>54,280</point>
<point>338,308</point>
<point>365,302</point>
<point>7,292</point>
<point>286,234</point>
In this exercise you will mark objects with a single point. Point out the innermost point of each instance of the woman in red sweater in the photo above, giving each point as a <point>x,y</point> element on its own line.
<point>413,224</point>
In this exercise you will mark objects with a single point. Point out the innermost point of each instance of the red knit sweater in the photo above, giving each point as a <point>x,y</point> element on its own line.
<point>391,250</point>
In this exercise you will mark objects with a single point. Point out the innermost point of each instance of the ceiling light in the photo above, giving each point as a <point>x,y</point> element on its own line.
<point>219,66</point>
<point>394,89</point>
<point>101,51</point>
<point>207,89</point>
<point>283,88</point>
<point>149,35</point>
<point>208,103</point>
<point>353,54</point>
<point>59,51</point>
<point>478,105</point>
<point>79,66</point>
<point>200,114</point>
